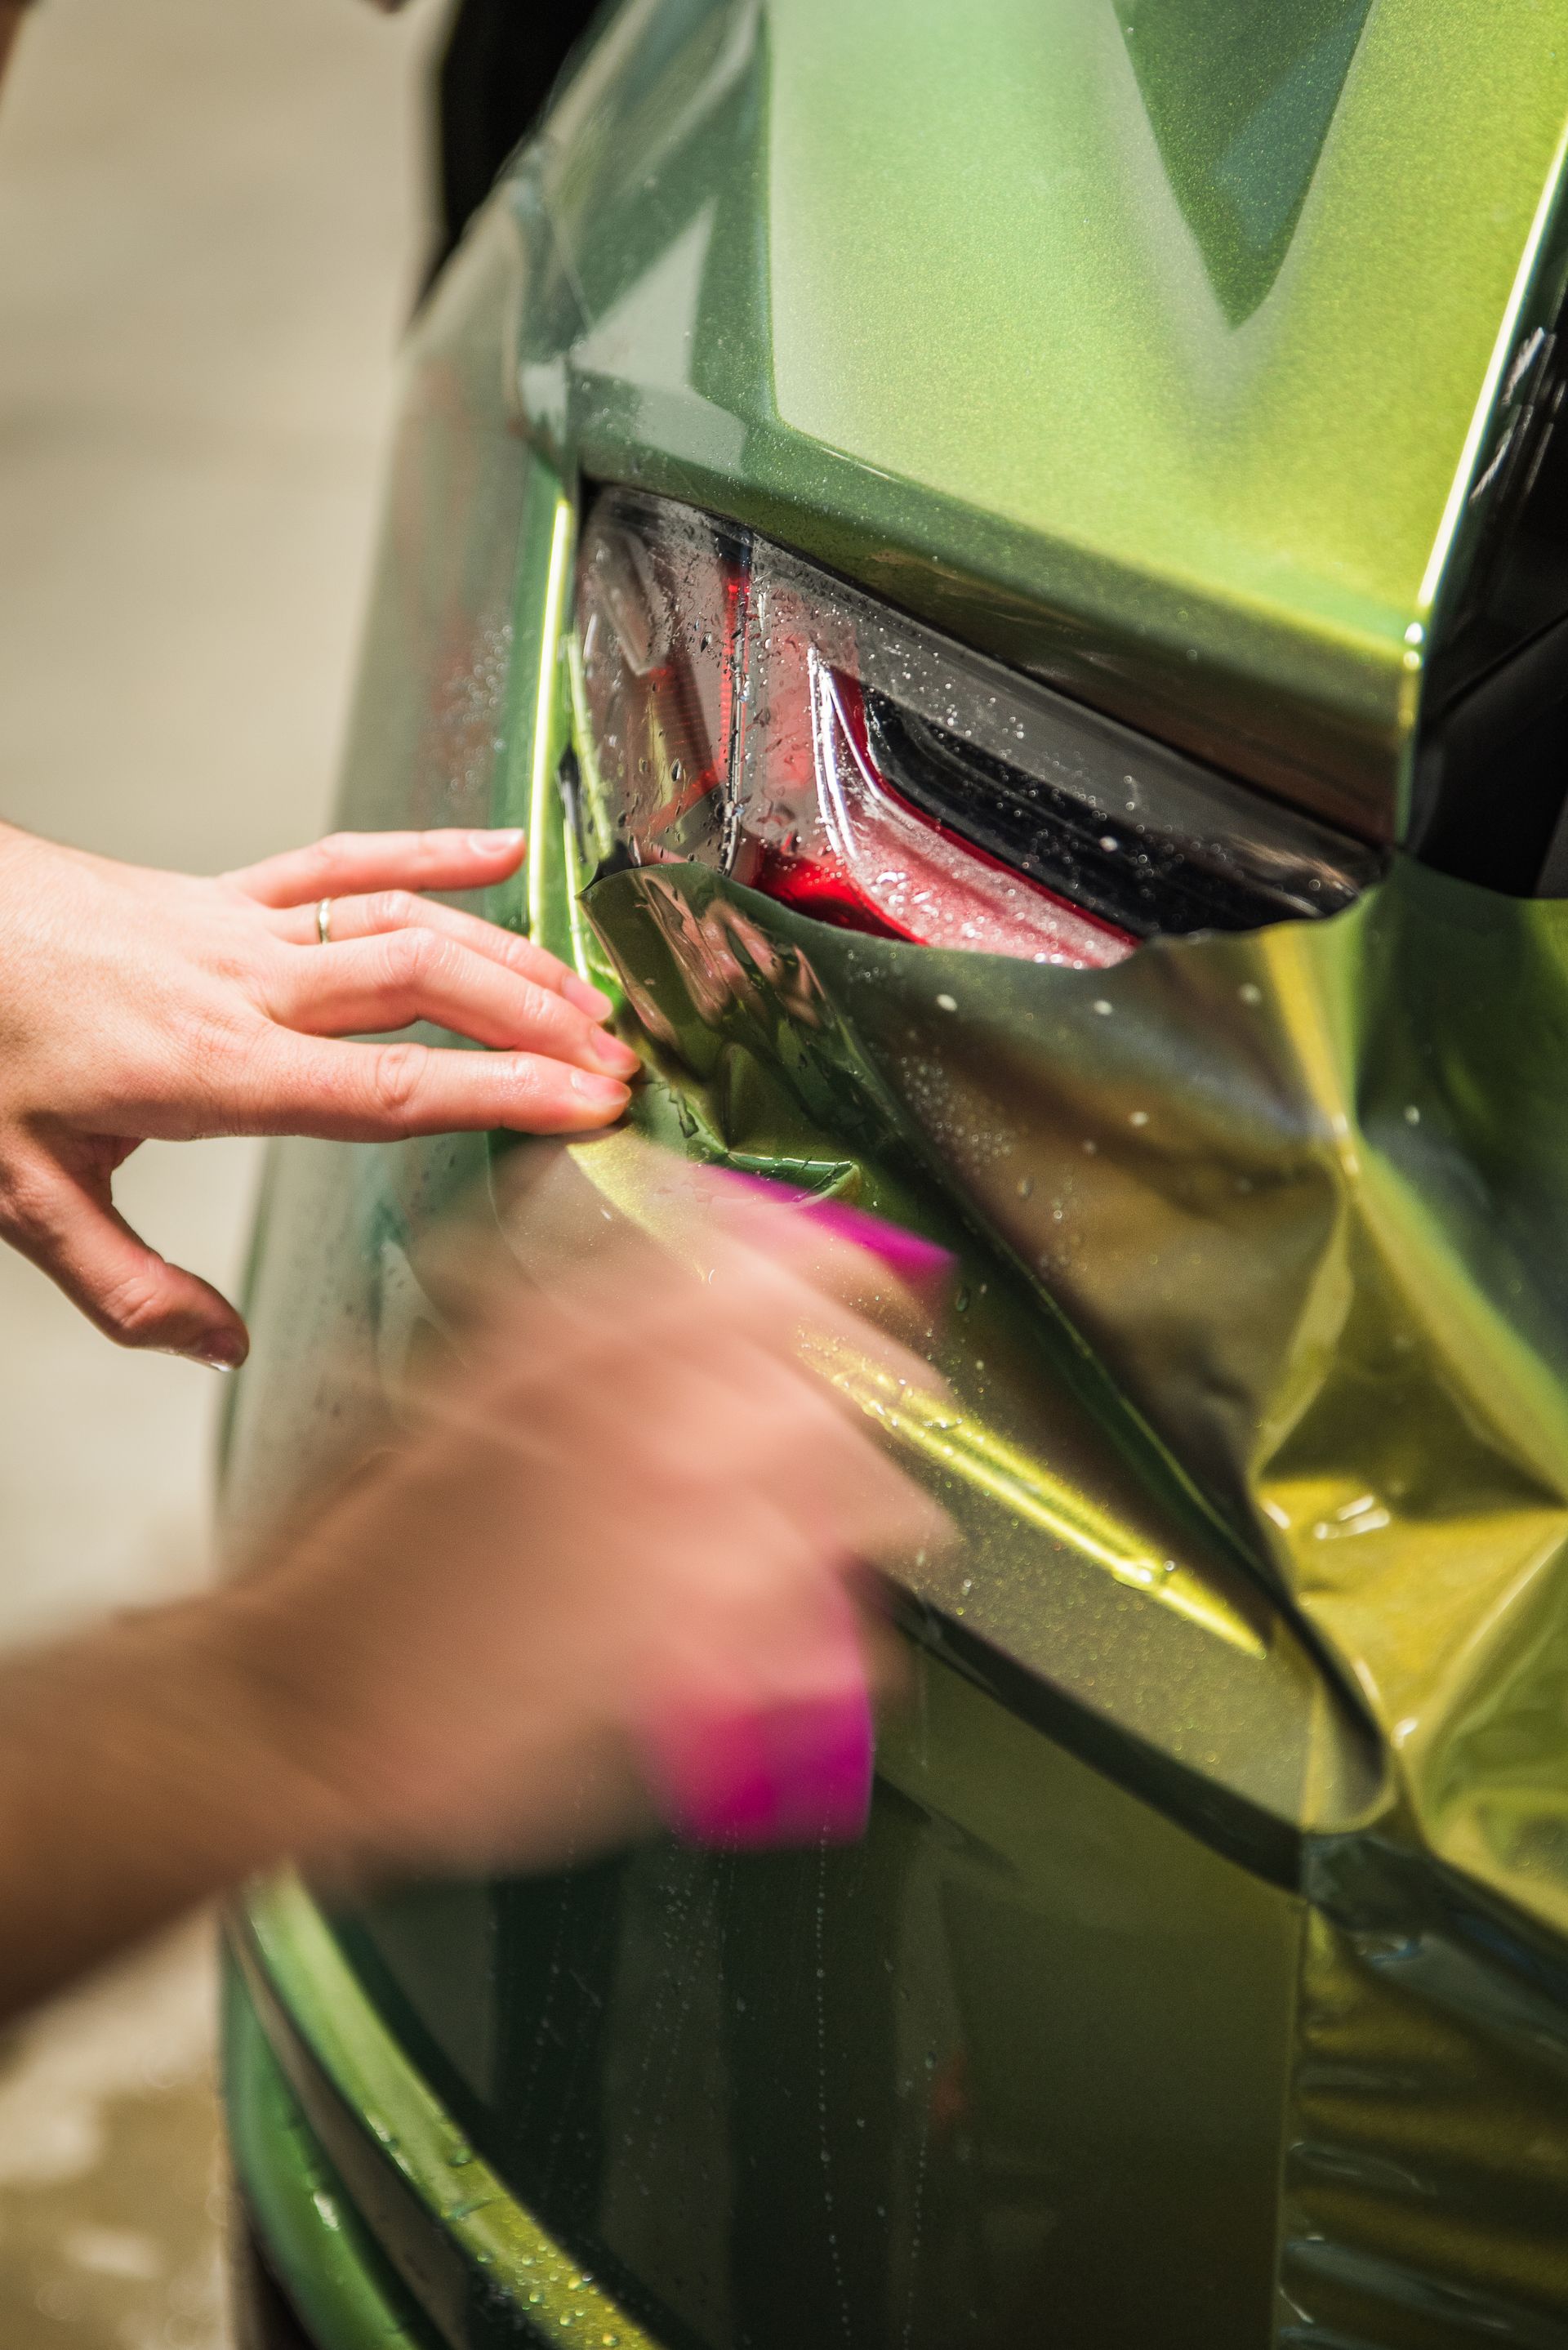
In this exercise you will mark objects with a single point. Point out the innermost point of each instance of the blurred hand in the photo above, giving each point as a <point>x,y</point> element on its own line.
<point>629,1513</point>
<point>136,1004</point>
<point>632,1513</point>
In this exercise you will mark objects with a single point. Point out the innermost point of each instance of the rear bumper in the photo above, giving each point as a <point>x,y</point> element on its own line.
<point>306,2273</point>
<point>262,2315</point>
<point>378,2223</point>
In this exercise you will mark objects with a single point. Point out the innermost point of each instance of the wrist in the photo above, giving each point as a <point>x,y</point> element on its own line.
<point>141,1774</point>
<point>252,1692</point>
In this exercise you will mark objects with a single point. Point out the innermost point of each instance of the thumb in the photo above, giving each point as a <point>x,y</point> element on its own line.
<point>66,1223</point>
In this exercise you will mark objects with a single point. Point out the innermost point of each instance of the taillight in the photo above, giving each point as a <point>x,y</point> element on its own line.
<point>745,710</point>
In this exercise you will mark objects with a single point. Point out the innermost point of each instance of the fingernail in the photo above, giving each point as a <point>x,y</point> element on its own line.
<point>611,1054</point>
<point>797,1774</point>
<point>604,1093</point>
<point>223,1355</point>
<point>496,843</point>
<point>589,999</point>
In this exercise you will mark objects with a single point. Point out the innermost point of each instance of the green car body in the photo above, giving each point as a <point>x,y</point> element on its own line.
<point>1197,366</point>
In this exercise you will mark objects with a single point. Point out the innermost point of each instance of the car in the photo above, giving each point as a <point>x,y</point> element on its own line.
<point>1012,560</point>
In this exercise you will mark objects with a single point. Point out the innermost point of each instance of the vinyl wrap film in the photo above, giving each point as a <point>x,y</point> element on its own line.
<point>1299,1194</point>
<point>1204,1976</point>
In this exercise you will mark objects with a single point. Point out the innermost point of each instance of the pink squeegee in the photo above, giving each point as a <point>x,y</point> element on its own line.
<point>780,1774</point>
<point>920,1265</point>
<point>796,1772</point>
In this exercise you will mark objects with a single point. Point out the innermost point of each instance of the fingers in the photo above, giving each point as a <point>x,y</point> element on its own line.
<point>69,1228</point>
<point>349,863</point>
<point>396,910</point>
<point>417,975</point>
<point>380,1093</point>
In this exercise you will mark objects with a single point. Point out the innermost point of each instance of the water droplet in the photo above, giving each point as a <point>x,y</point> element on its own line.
<point>1250,992</point>
<point>1412,1114</point>
<point>677,773</point>
<point>1090,1148</point>
<point>1109,842</point>
<point>1138,1117</point>
<point>946,1003</point>
<point>1026,1185</point>
<point>1101,1007</point>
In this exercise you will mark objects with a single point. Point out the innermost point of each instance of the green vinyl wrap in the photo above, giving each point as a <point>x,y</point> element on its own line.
<point>1300,1192</point>
<point>1300,1198</point>
<point>1204,1975</point>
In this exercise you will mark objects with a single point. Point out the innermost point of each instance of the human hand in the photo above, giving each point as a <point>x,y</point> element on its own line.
<point>630,1525</point>
<point>135,1002</point>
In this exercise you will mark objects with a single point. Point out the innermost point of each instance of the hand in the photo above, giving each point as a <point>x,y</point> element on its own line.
<point>632,1514</point>
<point>630,1507</point>
<point>136,1003</point>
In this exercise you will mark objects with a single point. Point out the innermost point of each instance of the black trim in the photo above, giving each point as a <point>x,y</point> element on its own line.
<point>1491,776</point>
<point>1239,1831</point>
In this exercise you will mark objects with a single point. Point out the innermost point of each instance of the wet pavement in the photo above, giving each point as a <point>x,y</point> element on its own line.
<point>208,233</point>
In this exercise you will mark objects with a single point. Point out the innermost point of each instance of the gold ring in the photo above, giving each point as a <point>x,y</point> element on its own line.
<point>324,921</point>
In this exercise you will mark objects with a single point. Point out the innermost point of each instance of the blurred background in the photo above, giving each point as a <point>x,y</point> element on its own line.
<point>212,226</point>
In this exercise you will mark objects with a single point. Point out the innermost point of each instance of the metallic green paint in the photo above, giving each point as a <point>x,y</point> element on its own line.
<point>961,302</point>
<point>1241,101</point>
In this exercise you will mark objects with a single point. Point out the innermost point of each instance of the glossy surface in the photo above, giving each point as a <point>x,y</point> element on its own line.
<point>1202,1976</point>
<point>749,710</point>
<point>337,2280</point>
<point>454,2255</point>
<point>913,2090</point>
<point>1300,1198</point>
<point>1157,360</point>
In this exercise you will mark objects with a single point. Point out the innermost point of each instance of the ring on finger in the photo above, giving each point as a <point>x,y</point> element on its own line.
<point>324,921</point>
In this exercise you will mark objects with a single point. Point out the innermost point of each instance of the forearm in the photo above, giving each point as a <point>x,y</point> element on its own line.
<point>11,14</point>
<point>139,1776</point>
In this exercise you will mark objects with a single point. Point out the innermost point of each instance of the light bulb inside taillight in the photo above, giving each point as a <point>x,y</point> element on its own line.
<point>747,711</point>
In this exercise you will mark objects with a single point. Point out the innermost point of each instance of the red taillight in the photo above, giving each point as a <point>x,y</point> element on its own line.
<point>889,869</point>
<point>747,711</point>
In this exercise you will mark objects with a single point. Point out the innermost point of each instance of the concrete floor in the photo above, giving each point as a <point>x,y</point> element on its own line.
<point>209,228</point>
